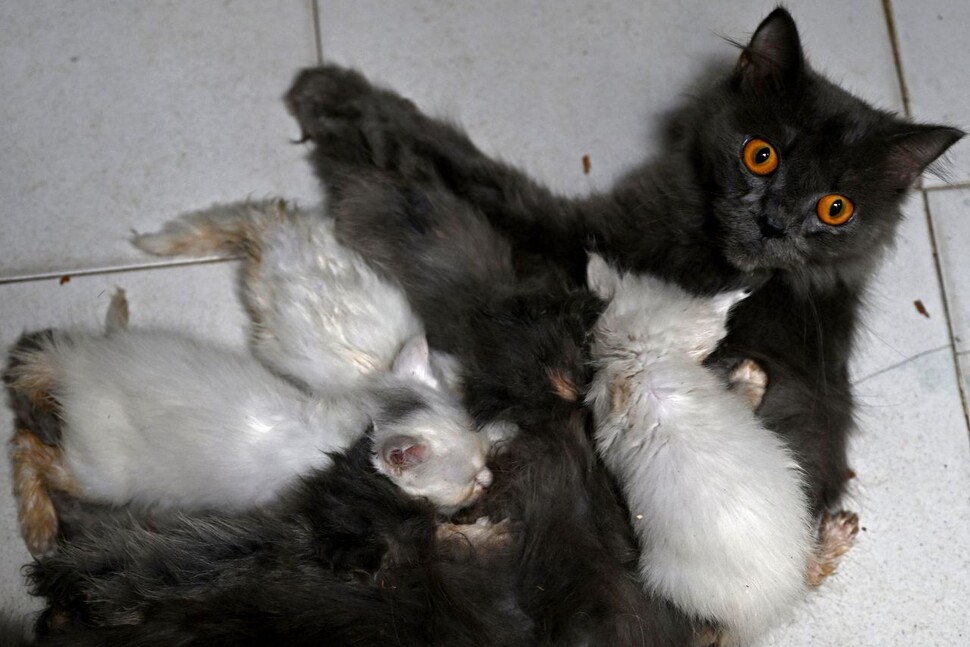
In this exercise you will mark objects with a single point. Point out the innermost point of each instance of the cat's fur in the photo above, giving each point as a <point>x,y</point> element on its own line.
<point>344,558</point>
<point>521,343</point>
<point>320,315</point>
<point>156,418</point>
<point>696,216</point>
<point>715,498</point>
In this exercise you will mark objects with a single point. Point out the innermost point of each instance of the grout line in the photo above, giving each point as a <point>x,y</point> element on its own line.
<point>906,361</point>
<point>946,309</point>
<point>317,37</point>
<point>117,269</point>
<point>937,263</point>
<point>946,187</point>
<point>887,9</point>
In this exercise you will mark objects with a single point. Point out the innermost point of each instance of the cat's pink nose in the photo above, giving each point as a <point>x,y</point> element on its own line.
<point>484,478</point>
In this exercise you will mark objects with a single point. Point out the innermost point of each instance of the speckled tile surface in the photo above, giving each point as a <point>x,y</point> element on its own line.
<point>951,221</point>
<point>933,52</point>
<point>198,299</point>
<point>119,115</point>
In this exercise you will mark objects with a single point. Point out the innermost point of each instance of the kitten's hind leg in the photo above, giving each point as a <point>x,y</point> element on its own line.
<point>38,469</point>
<point>236,228</point>
<point>749,380</point>
<point>837,533</point>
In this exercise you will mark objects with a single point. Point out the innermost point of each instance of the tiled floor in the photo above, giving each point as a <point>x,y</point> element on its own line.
<point>115,116</point>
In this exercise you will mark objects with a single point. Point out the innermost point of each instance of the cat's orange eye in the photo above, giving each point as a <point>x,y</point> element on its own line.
<point>760,157</point>
<point>834,209</point>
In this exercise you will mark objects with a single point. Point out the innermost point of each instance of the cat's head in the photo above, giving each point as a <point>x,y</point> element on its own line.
<point>647,314</point>
<point>424,441</point>
<point>803,174</point>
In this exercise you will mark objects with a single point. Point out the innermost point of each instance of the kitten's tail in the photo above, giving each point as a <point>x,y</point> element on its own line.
<point>235,228</point>
<point>30,377</point>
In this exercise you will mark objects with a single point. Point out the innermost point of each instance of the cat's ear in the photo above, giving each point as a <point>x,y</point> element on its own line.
<point>774,57</point>
<point>602,279</point>
<point>916,147</point>
<point>414,362</point>
<point>401,453</point>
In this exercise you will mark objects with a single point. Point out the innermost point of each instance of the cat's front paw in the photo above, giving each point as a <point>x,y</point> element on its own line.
<point>837,534</point>
<point>749,380</point>
<point>324,99</point>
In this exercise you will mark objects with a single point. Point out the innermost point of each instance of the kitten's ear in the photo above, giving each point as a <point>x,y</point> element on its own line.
<point>916,147</point>
<point>725,301</point>
<point>400,453</point>
<point>600,277</point>
<point>774,55</point>
<point>414,362</point>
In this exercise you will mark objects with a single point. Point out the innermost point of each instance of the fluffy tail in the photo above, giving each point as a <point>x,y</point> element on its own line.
<point>235,228</point>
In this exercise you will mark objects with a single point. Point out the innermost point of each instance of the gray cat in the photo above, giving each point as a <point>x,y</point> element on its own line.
<point>774,177</point>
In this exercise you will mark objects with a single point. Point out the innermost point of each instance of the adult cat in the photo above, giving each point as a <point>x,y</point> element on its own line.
<point>774,176</point>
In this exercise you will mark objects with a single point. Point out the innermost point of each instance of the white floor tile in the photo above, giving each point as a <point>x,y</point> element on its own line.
<point>951,222</point>
<point>543,84</point>
<point>117,115</point>
<point>893,326</point>
<point>951,209</point>
<point>907,580</point>
<point>199,299</point>
<point>936,64</point>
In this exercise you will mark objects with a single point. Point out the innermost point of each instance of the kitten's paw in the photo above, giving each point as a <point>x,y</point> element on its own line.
<point>117,316</point>
<point>750,380</point>
<point>497,434</point>
<point>35,465</point>
<point>481,534</point>
<point>837,534</point>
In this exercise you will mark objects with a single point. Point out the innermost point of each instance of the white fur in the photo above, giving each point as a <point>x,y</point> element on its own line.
<point>156,418</point>
<point>714,496</point>
<point>321,315</point>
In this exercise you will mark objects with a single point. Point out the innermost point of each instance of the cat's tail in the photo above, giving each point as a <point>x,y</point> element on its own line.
<point>235,228</point>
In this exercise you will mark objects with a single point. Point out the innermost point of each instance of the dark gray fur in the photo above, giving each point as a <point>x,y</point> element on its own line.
<point>682,216</point>
<point>348,559</point>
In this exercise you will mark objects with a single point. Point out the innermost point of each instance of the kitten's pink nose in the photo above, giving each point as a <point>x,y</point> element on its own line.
<point>484,478</point>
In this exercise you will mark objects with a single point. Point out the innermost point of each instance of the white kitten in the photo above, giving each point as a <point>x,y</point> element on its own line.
<point>715,498</point>
<point>159,419</point>
<point>321,315</point>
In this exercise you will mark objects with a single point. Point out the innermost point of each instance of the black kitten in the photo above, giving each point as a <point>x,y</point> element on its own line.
<point>774,176</point>
<point>522,344</point>
<point>348,559</point>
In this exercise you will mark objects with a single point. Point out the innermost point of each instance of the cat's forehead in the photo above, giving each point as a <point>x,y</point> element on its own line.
<point>818,115</point>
